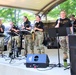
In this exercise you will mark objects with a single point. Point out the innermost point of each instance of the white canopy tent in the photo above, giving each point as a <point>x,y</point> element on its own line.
<point>37,6</point>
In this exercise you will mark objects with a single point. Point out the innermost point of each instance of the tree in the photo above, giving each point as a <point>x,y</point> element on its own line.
<point>10,14</point>
<point>69,6</point>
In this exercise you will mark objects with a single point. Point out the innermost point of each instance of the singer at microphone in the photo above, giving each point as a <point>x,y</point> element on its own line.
<point>64,22</point>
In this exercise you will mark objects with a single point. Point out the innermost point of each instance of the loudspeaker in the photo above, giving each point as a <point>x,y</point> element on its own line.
<point>72,52</point>
<point>37,60</point>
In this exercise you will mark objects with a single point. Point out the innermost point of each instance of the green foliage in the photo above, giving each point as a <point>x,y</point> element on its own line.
<point>9,14</point>
<point>15,15</point>
<point>69,6</point>
<point>29,15</point>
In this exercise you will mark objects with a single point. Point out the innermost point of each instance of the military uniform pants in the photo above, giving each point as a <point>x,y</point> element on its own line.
<point>17,39</point>
<point>64,45</point>
<point>1,44</point>
<point>38,42</point>
<point>29,44</point>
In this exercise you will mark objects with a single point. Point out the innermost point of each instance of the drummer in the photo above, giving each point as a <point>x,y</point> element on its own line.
<point>1,37</point>
<point>28,37</point>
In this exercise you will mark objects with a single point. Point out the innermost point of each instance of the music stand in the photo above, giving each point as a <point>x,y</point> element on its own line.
<point>56,32</point>
<point>52,33</point>
<point>12,45</point>
<point>25,32</point>
<point>62,31</point>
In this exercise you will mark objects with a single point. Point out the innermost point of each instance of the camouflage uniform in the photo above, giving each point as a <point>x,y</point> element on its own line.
<point>39,37</point>
<point>1,44</point>
<point>63,40</point>
<point>16,39</point>
<point>63,43</point>
<point>2,39</point>
<point>28,42</point>
<point>39,41</point>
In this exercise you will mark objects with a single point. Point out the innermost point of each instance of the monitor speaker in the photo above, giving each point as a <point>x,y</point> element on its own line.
<point>37,60</point>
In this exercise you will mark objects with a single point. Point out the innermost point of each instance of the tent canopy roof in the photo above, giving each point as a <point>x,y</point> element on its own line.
<point>37,6</point>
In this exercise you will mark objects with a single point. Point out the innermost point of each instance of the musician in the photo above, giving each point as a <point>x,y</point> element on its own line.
<point>73,21</point>
<point>1,37</point>
<point>39,28</point>
<point>64,22</point>
<point>16,38</point>
<point>28,37</point>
